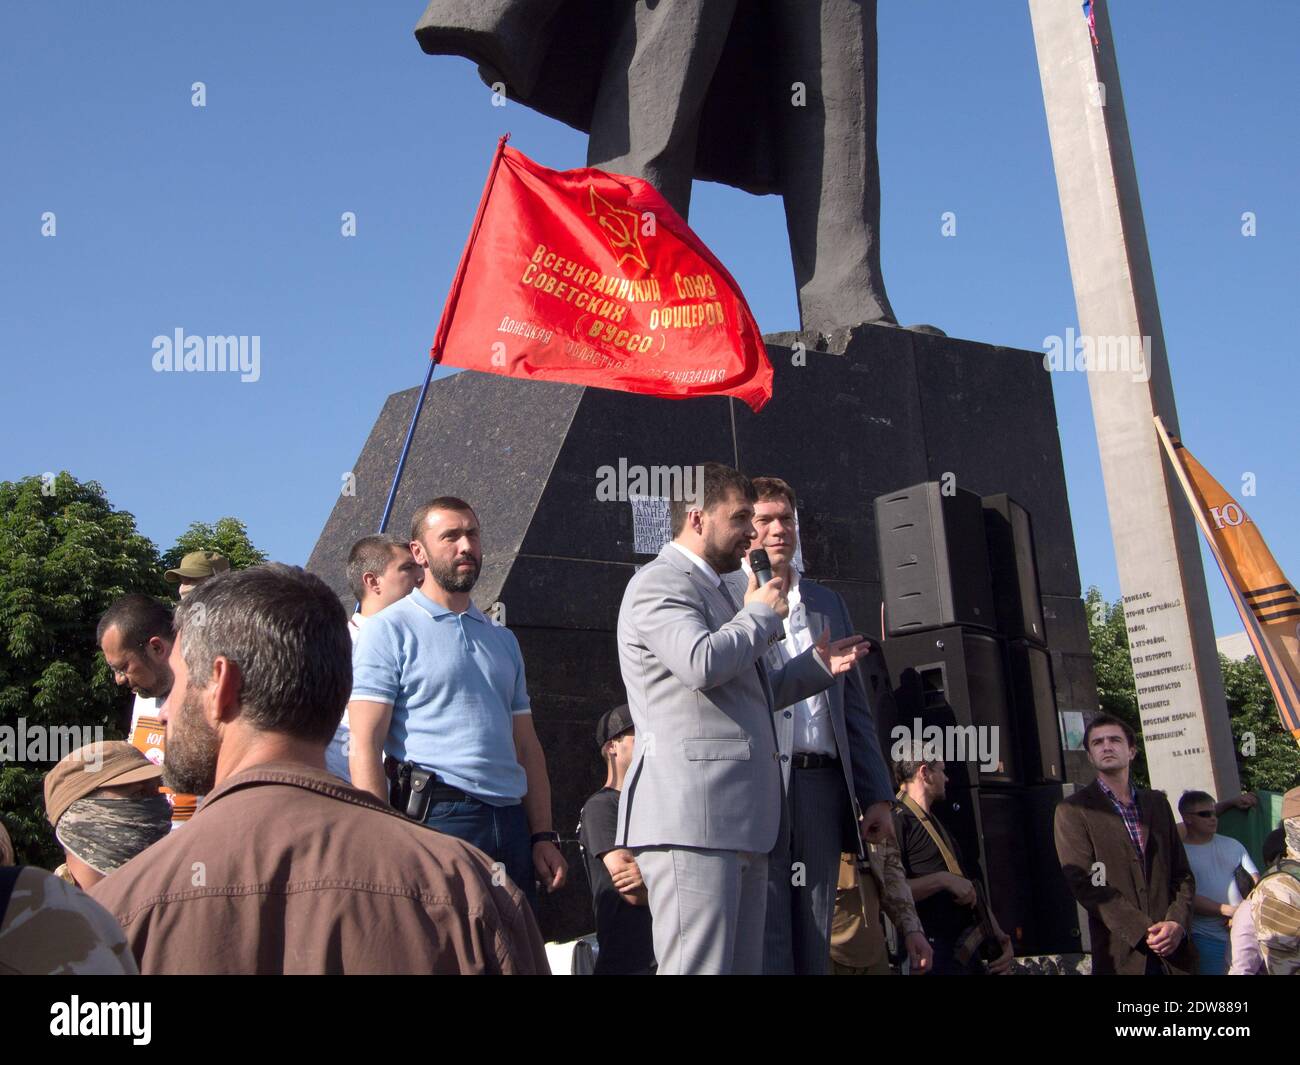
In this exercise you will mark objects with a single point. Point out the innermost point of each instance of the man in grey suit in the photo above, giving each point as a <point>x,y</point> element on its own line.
<point>836,782</point>
<point>701,806</point>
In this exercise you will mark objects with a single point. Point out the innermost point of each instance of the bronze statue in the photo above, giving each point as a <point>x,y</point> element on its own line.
<point>770,96</point>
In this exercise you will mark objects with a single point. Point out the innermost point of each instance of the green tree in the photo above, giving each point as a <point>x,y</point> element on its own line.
<point>65,555</point>
<point>1116,690</point>
<point>228,536</point>
<point>1267,756</point>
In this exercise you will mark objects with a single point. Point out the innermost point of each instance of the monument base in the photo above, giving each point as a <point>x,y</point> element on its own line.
<point>855,414</point>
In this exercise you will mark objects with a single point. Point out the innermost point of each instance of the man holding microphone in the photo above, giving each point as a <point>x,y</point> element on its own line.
<point>701,807</point>
<point>835,777</point>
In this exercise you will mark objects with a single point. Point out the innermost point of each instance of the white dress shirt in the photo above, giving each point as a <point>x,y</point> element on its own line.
<point>700,564</point>
<point>813,733</point>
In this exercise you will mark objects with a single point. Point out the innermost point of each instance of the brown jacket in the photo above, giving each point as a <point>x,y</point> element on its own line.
<point>286,869</point>
<point>1125,896</point>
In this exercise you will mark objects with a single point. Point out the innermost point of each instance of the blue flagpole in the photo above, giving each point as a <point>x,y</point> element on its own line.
<point>406,447</point>
<point>435,355</point>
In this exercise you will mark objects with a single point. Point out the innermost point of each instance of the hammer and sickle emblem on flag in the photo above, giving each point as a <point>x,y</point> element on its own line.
<point>620,226</point>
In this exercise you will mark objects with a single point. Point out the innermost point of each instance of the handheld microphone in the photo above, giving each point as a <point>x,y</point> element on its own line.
<point>762,567</point>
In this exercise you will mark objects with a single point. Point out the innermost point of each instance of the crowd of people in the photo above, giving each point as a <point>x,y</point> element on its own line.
<point>366,792</point>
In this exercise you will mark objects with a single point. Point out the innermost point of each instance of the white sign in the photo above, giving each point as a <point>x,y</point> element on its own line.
<point>651,524</point>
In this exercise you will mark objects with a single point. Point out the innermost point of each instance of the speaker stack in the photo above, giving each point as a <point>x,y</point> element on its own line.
<point>964,646</point>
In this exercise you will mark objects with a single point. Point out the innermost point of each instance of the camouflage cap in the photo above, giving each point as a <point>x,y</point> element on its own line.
<point>105,764</point>
<point>197,565</point>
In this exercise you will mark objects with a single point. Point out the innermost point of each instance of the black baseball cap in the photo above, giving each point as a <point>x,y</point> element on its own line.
<point>613,723</point>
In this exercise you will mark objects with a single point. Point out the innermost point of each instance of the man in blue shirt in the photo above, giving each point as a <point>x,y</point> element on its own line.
<point>439,686</point>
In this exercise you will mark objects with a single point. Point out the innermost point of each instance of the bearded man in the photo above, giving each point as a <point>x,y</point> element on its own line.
<point>284,868</point>
<point>701,805</point>
<point>440,690</point>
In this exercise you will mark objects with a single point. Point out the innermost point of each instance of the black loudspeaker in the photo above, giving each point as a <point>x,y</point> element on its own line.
<point>1060,924</point>
<point>1010,833</point>
<point>960,813</point>
<point>1038,726</point>
<point>1013,569</point>
<point>1007,861</point>
<point>954,679</point>
<point>934,568</point>
<point>989,825</point>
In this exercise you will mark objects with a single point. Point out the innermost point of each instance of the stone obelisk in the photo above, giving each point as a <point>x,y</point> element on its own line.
<point>1185,728</point>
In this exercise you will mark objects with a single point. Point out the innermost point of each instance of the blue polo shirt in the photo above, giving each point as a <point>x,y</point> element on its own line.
<point>455,683</point>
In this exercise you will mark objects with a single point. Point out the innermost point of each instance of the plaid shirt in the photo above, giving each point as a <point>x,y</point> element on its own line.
<point>1132,818</point>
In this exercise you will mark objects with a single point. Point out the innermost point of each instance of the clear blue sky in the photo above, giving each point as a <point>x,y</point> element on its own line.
<point>225,220</point>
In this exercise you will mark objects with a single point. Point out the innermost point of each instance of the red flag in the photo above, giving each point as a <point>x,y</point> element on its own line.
<point>593,279</point>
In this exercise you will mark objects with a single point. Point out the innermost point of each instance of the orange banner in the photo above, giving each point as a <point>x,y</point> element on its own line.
<point>1266,601</point>
<point>149,735</point>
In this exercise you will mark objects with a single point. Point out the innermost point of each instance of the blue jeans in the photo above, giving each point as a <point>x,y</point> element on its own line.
<point>1212,955</point>
<point>500,832</point>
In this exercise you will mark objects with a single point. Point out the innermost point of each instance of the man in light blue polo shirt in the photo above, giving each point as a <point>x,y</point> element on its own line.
<point>440,689</point>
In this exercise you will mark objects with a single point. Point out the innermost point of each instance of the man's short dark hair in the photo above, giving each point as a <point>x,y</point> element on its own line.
<point>769,488</point>
<point>719,482</point>
<point>905,769</point>
<point>1109,719</point>
<point>1193,798</point>
<point>422,513</point>
<point>138,618</point>
<point>288,634</point>
<point>371,554</point>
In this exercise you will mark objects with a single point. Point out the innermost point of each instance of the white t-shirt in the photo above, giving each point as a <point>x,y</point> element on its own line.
<point>1212,864</point>
<point>336,754</point>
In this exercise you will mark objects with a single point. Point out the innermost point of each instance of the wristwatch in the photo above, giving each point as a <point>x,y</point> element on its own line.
<point>544,837</point>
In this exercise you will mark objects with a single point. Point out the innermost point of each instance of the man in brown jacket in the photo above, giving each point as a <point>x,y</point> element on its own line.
<point>1121,855</point>
<point>285,869</point>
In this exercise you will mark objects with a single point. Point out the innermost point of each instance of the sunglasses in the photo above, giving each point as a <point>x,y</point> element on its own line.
<point>1204,813</point>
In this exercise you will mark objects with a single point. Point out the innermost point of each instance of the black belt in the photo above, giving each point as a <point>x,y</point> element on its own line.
<point>814,761</point>
<point>443,792</point>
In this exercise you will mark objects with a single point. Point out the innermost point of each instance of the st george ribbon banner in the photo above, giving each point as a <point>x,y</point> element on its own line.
<point>1266,601</point>
<point>593,279</point>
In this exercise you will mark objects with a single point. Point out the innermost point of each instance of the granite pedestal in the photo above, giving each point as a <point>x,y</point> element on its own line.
<point>855,414</point>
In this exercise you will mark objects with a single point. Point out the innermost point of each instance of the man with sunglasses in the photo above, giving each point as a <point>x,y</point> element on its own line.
<point>1214,860</point>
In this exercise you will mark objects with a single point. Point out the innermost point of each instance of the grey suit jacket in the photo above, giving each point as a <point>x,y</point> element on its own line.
<point>704,765</point>
<point>866,776</point>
